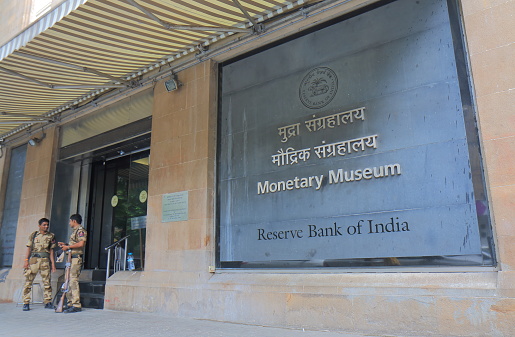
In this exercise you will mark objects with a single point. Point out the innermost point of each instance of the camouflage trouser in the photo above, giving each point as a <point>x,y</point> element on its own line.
<point>73,295</point>
<point>41,265</point>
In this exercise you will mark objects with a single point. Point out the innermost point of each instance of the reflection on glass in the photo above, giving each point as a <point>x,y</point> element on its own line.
<point>130,213</point>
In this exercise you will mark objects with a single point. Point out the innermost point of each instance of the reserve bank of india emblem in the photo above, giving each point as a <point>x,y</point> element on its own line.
<point>318,88</point>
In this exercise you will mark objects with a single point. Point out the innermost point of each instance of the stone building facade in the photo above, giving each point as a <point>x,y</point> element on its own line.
<point>182,275</point>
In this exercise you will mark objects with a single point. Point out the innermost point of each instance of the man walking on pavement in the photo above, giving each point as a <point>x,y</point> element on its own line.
<point>39,257</point>
<point>77,243</point>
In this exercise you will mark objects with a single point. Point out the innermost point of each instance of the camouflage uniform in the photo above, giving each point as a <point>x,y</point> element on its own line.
<point>39,261</point>
<point>73,295</point>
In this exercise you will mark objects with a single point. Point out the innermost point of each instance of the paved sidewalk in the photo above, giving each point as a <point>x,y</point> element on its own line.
<point>40,322</point>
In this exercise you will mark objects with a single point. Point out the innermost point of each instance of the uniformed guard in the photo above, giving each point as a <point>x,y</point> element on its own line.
<point>77,244</point>
<point>39,258</point>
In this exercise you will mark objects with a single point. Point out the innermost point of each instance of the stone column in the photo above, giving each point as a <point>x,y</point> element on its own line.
<point>35,203</point>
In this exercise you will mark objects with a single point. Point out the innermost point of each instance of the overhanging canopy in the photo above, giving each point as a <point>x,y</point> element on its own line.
<point>84,48</point>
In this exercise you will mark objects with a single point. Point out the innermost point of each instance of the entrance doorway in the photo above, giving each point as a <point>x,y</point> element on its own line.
<point>118,207</point>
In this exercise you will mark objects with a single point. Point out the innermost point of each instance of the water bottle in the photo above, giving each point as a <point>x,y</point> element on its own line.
<point>130,262</point>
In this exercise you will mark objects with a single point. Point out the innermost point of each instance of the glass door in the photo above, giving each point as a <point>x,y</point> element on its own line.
<point>136,214</point>
<point>118,207</point>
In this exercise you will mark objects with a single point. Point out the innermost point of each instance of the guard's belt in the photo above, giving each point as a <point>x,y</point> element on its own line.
<point>74,256</point>
<point>44,255</point>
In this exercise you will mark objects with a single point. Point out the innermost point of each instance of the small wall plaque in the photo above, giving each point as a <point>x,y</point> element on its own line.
<point>175,207</point>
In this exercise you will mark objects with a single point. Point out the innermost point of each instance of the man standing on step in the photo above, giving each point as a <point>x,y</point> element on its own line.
<point>77,244</point>
<point>39,257</point>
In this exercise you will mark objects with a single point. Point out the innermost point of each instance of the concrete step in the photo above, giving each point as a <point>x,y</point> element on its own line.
<point>92,294</point>
<point>93,287</point>
<point>89,300</point>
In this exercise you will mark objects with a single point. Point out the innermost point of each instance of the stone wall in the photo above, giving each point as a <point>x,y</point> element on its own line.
<point>35,203</point>
<point>178,254</point>
<point>491,44</point>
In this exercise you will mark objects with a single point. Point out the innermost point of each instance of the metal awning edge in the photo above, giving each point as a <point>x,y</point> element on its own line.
<point>39,27</point>
<point>166,60</point>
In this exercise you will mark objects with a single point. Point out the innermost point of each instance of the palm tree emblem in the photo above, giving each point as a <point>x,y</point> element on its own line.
<point>318,87</point>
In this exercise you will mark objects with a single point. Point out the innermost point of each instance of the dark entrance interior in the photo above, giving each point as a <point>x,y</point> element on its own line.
<point>118,207</point>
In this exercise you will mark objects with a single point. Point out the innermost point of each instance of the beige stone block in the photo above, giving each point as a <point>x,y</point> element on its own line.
<point>493,70</point>
<point>208,238</point>
<point>399,314</point>
<point>465,316</point>
<point>40,206</point>
<point>203,91</point>
<point>31,155</point>
<point>26,189</point>
<point>506,246</point>
<point>214,305</point>
<point>203,69</point>
<point>254,308</point>
<point>119,298</point>
<point>161,105</point>
<point>474,6</point>
<point>157,235</point>
<point>178,233</point>
<point>172,261</point>
<point>196,261</point>
<point>154,278</point>
<point>506,283</point>
<point>194,146</point>
<point>190,302</point>
<point>503,206</point>
<point>183,122</point>
<point>490,28</point>
<point>505,317</point>
<point>311,311</point>
<point>176,181</point>
<point>200,235</point>
<point>147,299</point>
<point>164,180</point>
<point>210,203</point>
<point>176,101</point>
<point>497,115</point>
<point>211,172</point>
<point>201,117</point>
<point>38,186</point>
<point>500,161</point>
<point>27,208</point>
<point>159,90</point>
<point>24,208</point>
<point>154,207</point>
<point>157,176</point>
<point>192,234</point>
<point>166,153</point>
<point>30,171</point>
<point>197,202</point>
<point>162,129</point>
<point>191,175</point>
<point>192,89</point>
<point>45,167</point>
<point>318,290</point>
<point>190,74</point>
<point>170,301</point>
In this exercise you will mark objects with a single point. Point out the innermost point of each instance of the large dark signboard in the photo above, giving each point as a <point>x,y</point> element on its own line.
<point>349,142</point>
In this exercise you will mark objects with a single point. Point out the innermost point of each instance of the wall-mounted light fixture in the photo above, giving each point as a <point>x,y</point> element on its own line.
<point>173,83</point>
<point>35,140</point>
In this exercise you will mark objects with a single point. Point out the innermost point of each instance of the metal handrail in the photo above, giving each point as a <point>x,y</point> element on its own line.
<point>116,264</point>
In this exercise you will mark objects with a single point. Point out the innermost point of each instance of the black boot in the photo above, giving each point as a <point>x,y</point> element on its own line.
<point>26,307</point>
<point>49,306</point>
